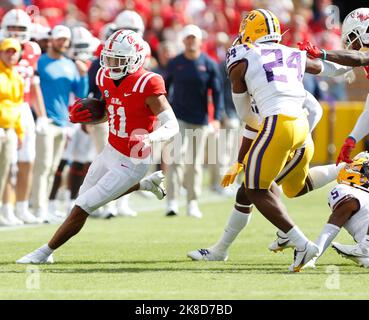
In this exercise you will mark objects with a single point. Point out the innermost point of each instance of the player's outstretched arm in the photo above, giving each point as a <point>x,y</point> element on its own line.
<point>351,58</point>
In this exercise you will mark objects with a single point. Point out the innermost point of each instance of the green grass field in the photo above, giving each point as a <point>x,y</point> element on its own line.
<point>145,258</point>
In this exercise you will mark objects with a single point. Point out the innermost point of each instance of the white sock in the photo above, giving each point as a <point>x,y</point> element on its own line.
<point>322,175</point>
<point>297,237</point>
<point>326,237</point>
<point>21,206</point>
<point>46,249</point>
<point>237,221</point>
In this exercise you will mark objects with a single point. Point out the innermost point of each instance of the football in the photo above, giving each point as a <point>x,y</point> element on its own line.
<point>96,107</point>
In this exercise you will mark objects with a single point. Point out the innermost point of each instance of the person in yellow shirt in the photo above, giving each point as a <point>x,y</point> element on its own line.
<point>11,97</point>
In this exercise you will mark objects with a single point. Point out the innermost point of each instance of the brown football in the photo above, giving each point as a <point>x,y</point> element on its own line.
<point>96,107</point>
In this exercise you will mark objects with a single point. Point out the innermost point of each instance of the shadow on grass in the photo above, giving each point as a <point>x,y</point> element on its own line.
<point>133,266</point>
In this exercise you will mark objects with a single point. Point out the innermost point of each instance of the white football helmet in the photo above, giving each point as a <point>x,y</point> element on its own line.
<point>107,30</point>
<point>39,32</point>
<point>356,26</point>
<point>20,19</point>
<point>81,44</point>
<point>123,53</point>
<point>130,20</point>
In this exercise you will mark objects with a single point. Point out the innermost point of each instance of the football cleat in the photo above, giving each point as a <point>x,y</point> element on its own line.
<point>155,184</point>
<point>26,216</point>
<point>207,255</point>
<point>193,210</point>
<point>37,256</point>
<point>280,243</point>
<point>356,253</point>
<point>301,258</point>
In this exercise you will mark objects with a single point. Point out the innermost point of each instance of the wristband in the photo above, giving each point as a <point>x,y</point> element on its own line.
<point>324,54</point>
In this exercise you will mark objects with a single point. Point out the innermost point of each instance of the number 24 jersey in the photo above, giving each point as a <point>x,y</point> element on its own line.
<point>273,77</point>
<point>127,110</point>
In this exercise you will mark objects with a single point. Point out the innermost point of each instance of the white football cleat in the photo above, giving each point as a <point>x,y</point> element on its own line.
<point>26,216</point>
<point>9,216</point>
<point>356,253</point>
<point>155,184</point>
<point>207,255</point>
<point>41,215</point>
<point>280,244</point>
<point>193,210</point>
<point>126,211</point>
<point>37,256</point>
<point>301,258</point>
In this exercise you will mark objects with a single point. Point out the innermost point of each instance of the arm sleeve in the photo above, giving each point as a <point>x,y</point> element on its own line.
<point>168,126</point>
<point>314,110</point>
<point>217,92</point>
<point>331,69</point>
<point>361,128</point>
<point>242,102</point>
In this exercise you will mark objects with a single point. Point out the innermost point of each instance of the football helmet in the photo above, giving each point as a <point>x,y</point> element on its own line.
<point>356,174</point>
<point>130,20</point>
<point>19,19</point>
<point>81,44</point>
<point>123,53</point>
<point>356,27</point>
<point>260,26</point>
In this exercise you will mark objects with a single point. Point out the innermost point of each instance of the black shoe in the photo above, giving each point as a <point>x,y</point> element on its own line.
<point>171,213</point>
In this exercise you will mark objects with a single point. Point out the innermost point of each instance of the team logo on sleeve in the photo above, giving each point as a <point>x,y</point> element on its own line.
<point>106,93</point>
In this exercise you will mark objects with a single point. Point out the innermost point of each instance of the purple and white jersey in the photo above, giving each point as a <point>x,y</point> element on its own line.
<point>273,77</point>
<point>357,225</point>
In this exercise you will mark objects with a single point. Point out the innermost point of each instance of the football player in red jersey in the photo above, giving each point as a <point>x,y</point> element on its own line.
<point>16,23</point>
<point>135,98</point>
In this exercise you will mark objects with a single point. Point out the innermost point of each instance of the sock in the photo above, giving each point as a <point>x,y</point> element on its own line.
<point>46,249</point>
<point>297,237</point>
<point>326,237</point>
<point>322,175</point>
<point>21,206</point>
<point>237,221</point>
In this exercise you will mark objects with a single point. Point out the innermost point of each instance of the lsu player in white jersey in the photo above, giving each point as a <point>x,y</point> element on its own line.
<point>355,35</point>
<point>349,202</point>
<point>272,75</point>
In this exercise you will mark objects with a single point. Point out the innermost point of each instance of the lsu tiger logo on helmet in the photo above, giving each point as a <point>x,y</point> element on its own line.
<point>260,26</point>
<point>356,174</point>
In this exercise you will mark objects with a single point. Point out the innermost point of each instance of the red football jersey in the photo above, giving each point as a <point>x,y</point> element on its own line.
<point>27,66</point>
<point>126,105</point>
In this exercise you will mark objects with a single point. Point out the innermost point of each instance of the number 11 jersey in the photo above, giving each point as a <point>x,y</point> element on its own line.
<point>127,110</point>
<point>273,77</point>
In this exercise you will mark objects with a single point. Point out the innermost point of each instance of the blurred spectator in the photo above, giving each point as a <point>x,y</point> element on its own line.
<point>226,144</point>
<point>59,77</point>
<point>11,97</point>
<point>191,74</point>
<point>41,35</point>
